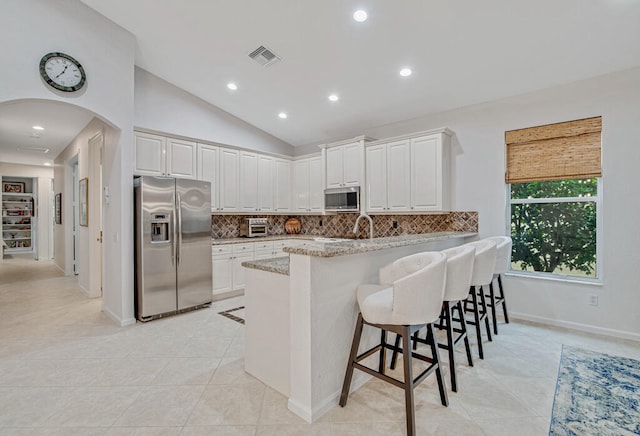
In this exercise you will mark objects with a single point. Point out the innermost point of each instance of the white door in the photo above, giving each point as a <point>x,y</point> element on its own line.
<point>181,158</point>
<point>426,177</point>
<point>238,270</point>
<point>229,179</point>
<point>149,154</point>
<point>265,183</point>
<point>208,170</point>
<point>335,177</point>
<point>398,176</point>
<point>94,216</point>
<point>282,186</point>
<point>316,191</point>
<point>222,270</point>
<point>301,185</point>
<point>352,164</point>
<point>376,157</point>
<point>248,181</point>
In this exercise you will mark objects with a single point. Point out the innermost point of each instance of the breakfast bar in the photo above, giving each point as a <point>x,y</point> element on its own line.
<point>301,310</point>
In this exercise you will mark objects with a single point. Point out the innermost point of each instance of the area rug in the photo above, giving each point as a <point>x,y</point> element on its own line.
<point>596,394</point>
<point>235,314</point>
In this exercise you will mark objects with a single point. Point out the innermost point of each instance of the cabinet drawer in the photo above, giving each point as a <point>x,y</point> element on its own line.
<point>263,246</point>
<point>243,248</point>
<point>221,250</point>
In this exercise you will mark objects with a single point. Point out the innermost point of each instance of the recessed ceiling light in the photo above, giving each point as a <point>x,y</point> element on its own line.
<point>405,72</point>
<point>232,86</point>
<point>38,128</point>
<point>282,115</point>
<point>334,97</point>
<point>47,164</point>
<point>360,16</point>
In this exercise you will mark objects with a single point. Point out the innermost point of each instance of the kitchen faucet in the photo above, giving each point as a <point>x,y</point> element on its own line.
<point>364,215</point>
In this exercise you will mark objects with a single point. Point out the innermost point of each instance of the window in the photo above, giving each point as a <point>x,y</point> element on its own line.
<point>553,174</point>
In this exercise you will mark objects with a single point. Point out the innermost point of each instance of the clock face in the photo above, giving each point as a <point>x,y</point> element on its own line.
<point>62,72</point>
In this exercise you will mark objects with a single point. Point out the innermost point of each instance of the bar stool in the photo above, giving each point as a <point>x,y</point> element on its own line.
<point>460,262</point>
<point>483,267</point>
<point>503,259</point>
<point>409,298</point>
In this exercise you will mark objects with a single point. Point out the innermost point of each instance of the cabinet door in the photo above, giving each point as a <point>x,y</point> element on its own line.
<point>229,179</point>
<point>238,270</point>
<point>265,183</point>
<point>398,176</point>
<point>222,274</point>
<point>352,164</point>
<point>208,170</point>
<point>248,181</point>
<point>376,157</point>
<point>301,185</point>
<point>282,186</point>
<point>149,154</point>
<point>181,158</point>
<point>316,192</point>
<point>335,178</point>
<point>426,174</point>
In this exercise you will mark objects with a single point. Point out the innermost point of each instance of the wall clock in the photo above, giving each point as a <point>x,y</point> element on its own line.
<point>62,72</point>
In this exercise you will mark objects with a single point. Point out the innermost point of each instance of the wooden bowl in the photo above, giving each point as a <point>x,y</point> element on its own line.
<point>292,226</point>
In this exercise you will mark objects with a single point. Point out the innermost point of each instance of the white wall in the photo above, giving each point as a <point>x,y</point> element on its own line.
<point>163,107</point>
<point>106,51</point>
<point>479,186</point>
<point>44,218</point>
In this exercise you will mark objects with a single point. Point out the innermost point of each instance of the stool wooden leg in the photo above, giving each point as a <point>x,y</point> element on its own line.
<point>463,327</point>
<point>408,381</point>
<point>485,313</point>
<point>394,356</point>
<point>382,364</point>
<point>431,338</point>
<point>450,344</point>
<point>504,302</point>
<point>476,317</point>
<point>357,334</point>
<point>492,301</point>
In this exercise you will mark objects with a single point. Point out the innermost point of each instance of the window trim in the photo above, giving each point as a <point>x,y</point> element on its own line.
<point>597,199</point>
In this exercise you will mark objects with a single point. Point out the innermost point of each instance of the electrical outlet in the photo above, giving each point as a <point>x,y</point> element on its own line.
<point>593,300</point>
<point>394,224</point>
<point>320,224</point>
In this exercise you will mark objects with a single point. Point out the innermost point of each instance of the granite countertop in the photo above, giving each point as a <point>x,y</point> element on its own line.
<point>222,241</point>
<point>356,246</point>
<point>278,265</point>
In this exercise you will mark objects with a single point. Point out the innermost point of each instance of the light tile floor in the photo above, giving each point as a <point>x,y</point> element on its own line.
<point>66,369</point>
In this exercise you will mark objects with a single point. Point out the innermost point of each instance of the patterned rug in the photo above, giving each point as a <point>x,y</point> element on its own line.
<point>596,394</point>
<point>236,314</point>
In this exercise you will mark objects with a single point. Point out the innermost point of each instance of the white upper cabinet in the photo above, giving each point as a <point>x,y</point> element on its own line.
<point>410,174</point>
<point>282,186</point>
<point>307,185</point>
<point>159,156</point>
<point>345,165</point>
<point>181,158</point>
<point>266,181</point>
<point>229,180</point>
<point>208,170</point>
<point>149,154</point>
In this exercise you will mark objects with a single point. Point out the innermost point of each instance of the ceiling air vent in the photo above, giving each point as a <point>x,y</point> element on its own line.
<point>34,149</point>
<point>264,56</point>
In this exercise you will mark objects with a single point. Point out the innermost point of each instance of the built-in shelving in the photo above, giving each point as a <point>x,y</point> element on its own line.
<point>17,221</point>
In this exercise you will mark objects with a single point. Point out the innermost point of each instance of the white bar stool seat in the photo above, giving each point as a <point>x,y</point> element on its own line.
<point>503,260</point>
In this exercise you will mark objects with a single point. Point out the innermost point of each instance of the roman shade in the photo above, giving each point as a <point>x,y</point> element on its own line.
<point>567,150</point>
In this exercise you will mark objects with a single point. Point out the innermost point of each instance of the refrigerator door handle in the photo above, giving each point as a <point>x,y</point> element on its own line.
<point>179,209</point>
<point>173,237</point>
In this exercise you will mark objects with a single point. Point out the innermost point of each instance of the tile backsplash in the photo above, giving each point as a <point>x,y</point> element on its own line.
<point>341,225</point>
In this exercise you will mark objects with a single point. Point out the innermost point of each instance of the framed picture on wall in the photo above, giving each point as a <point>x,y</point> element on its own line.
<point>83,204</point>
<point>13,187</point>
<point>59,208</point>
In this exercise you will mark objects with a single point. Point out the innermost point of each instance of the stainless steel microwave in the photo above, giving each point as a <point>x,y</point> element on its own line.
<point>342,199</point>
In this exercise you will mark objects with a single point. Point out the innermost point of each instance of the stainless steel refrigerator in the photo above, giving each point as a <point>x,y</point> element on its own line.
<point>172,245</point>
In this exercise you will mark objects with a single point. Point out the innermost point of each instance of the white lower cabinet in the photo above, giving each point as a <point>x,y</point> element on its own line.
<point>228,272</point>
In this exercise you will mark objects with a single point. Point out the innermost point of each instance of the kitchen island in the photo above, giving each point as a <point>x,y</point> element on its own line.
<point>301,312</point>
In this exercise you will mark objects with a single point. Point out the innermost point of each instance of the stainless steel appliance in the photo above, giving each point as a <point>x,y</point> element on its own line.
<point>172,245</point>
<point>342,199</point>
<point>252,227</point>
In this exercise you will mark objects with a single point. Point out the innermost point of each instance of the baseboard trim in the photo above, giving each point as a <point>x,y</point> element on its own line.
<point>620,334</point>
<point>117,319</point>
